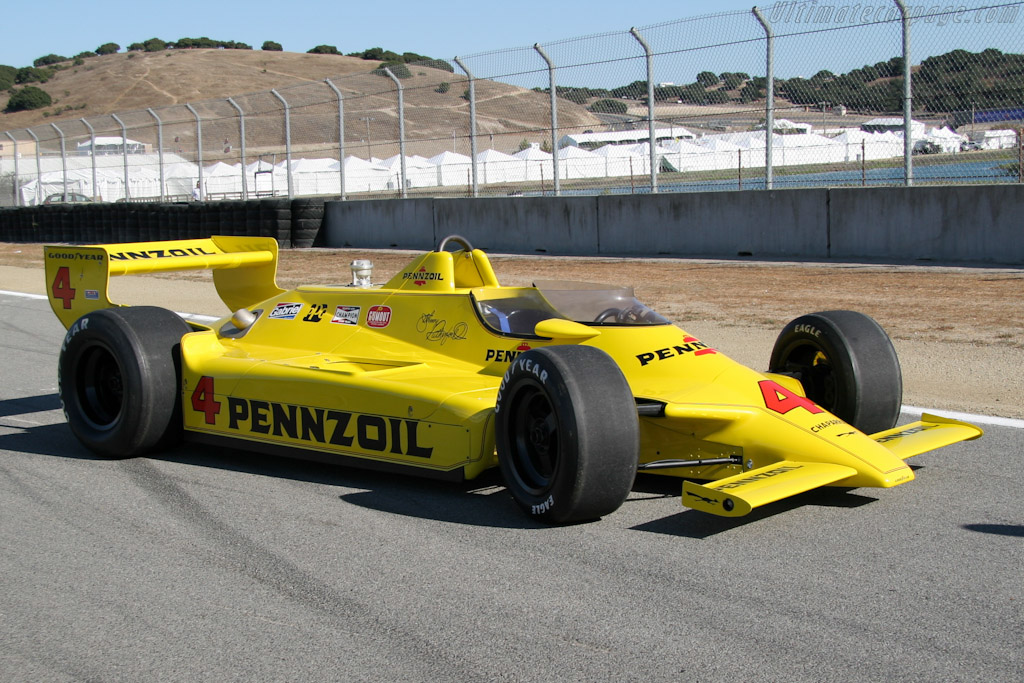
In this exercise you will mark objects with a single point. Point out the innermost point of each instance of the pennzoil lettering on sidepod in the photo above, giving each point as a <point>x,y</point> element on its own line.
<point>372,433</point>
<point>160,253</point>
<point>691,345</point>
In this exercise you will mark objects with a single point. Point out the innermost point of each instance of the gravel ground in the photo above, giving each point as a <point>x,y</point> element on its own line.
<point>959,330</point>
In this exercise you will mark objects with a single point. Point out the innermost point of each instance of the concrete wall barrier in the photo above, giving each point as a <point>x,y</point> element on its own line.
<point>961,223</point>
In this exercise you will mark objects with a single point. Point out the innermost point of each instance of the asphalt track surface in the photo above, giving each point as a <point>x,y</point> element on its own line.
<point>216,565</point>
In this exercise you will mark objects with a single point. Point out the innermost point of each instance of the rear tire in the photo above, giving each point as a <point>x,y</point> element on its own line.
<point>119,378</point>
<point>567,433</point>
<point>846,364</point>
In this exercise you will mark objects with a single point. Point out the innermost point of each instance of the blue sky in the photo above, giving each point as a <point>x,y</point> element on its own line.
<point>439,29</point>
<point>443,29</point>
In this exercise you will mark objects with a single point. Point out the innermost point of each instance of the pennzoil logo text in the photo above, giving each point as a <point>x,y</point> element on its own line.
<point>159,253</point>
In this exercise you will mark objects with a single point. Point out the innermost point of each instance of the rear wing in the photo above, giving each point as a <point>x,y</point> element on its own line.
<point>78,277</point>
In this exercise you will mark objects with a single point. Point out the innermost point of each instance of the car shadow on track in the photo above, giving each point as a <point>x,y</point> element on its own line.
<point>698,525</point>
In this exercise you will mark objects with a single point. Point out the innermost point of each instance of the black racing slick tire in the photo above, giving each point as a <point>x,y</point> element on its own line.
<point>846,364</point>
<point>567,433</point>
<point>119,380</point>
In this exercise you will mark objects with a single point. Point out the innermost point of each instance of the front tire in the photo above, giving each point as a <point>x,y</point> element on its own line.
<point>846,364</point>
<point>567,433</point>
<point>119,379</point>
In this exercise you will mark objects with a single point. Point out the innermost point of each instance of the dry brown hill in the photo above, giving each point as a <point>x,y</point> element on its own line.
<point>166,81</point>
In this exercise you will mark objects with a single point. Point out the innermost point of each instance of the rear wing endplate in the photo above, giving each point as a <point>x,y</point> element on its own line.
<point>78,277</point>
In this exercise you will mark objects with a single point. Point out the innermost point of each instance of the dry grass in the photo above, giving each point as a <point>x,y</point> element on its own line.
<point>127,84</point>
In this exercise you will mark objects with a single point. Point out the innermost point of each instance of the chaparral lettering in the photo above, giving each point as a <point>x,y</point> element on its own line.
<point>360,432</point>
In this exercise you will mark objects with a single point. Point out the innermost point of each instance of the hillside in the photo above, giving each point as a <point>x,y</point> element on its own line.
<point>132,82</point>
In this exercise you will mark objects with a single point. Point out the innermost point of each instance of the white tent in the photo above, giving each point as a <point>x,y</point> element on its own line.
<point>453,168</point>
<point>624,160</point>
<point>574,162</point>
<point>497,167</point>
<point>537,164</point>
<point>948,141</point>
<point>419,172</point>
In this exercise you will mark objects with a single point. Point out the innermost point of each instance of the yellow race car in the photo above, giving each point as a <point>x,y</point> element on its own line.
<point>569,388</point>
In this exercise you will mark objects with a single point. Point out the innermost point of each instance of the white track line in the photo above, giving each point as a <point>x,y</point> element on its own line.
<point>908,410</point>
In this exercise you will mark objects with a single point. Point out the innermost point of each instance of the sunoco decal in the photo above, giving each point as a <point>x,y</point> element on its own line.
<point>346,315</point>
<point>285,311</point>
<point>378,316</point>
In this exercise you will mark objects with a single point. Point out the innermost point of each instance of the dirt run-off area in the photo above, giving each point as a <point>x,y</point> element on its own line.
<point>958,330</point>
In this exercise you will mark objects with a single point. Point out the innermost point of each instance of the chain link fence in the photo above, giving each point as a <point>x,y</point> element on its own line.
<point>672,107</point>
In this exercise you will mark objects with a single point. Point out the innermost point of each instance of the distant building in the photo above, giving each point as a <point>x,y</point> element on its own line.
<point>893,124</point>
<point>624,137</point>
<point>110,145</point>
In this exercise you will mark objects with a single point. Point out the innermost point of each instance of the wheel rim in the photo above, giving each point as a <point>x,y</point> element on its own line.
<point>100,387</point>
<point>815,370</point>
<point>534,455</point>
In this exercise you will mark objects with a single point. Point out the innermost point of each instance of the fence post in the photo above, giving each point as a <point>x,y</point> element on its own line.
<point>241,135</point>
<point>769,105</point>
<point>472,124</point>
<point>92,155</point>
<point>908,143</point>
<point>159,149</point>
<point>63,158</point>
<point>17,194</point>
<point>554,116</point>
<point>287,139</point>
<point>650,109</point>
<point>199,150</point>
<point>124,153</point>
<point>39,169</point>
<point>341,136</point>
<point>401,128</point>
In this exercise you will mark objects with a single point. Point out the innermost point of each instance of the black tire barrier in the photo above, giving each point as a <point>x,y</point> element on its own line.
<point>307,216</point>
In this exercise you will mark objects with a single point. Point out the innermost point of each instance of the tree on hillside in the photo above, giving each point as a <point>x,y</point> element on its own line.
<point>7,76</point>
<point>30,74</point>
<point>47,60</point>
<point>136,47</point>
<point>154,45</point>
<point>271,46</point>
<point>108,49</point>
<point>707,79</point>
<point>397,68</point>
<point>608,107</point>
<point>323,50</point>
<point>29,97</point>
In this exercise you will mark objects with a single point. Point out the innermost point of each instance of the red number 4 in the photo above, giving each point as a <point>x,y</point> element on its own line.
<point>203,400</point>
<point>782,400</point>
<point>62,288</point>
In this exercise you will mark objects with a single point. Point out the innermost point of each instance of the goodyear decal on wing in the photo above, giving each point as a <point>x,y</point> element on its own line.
<point>159,253</point>
<point>74,256</point>
<point>689,345</point>
<point>285,311</point>
<point>355,431</point>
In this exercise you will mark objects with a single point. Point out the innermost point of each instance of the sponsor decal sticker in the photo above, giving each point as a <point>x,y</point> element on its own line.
<point>420,277</point>
<point>378,316</point>
<point>92,294</point>
<point>160,253</point>
<point>346,315</point>
<point>316,313</point>
<point>689,345</point>
<point>505,355</point>
<point>285,311</point>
